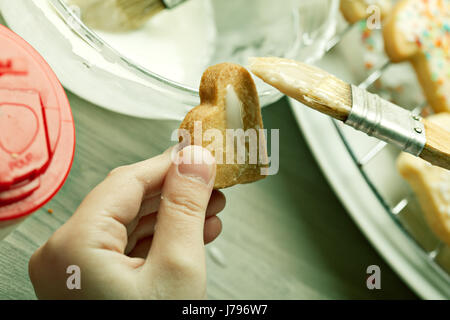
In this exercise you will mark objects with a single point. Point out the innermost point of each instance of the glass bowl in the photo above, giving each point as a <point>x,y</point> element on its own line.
<point>154,72</point>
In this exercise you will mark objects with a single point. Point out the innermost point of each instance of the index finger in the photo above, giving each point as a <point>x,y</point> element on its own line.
<point>120,195</point>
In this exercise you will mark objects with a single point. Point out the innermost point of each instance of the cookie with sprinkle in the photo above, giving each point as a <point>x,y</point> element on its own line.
<point>419,31</point>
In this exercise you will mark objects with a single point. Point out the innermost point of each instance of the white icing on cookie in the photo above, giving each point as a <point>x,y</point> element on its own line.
<point>233,109</point>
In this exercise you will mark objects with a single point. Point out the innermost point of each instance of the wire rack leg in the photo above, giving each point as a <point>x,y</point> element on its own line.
<point>400,206</point>
<point>337,38</point>
<point>374,76</point>
<point>433,254</point>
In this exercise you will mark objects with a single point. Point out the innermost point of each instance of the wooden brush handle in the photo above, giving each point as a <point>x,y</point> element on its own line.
<point>356,107</point>
<point>437,147</point>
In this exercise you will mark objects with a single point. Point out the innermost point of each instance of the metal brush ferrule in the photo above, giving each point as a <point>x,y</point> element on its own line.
<point>386,121</point>
<point>169,4</point>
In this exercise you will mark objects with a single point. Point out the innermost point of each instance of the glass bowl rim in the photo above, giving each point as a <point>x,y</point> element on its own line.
<point>112,55</point>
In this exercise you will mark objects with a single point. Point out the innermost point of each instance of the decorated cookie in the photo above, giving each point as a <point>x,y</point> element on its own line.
<point>419,31</point>
<point>228,122</point>
<point>431,185</point>
<point>356,10</point>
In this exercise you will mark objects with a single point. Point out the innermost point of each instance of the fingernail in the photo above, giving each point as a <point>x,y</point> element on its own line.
<point>197,163</point>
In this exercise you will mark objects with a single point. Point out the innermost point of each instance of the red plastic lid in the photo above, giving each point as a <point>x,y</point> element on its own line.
<point>37,133</point>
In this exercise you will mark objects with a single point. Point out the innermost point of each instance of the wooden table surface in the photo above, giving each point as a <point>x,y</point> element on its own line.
<point>286,237</point>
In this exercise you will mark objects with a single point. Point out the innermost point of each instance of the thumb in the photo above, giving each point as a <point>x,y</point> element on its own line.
<point>185,195</point>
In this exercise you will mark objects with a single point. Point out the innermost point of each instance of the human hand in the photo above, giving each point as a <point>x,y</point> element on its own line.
<point>113,240</point>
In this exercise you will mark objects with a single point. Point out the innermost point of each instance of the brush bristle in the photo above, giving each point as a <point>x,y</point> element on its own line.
<point>140,9</point>
<point>307,84</point>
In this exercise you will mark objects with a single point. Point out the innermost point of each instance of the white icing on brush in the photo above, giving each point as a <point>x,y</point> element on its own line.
<point>297,80</point>
<point>283,73</point>
<point>233,109</point>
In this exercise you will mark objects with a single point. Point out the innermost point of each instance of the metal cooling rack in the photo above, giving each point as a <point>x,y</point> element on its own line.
<point>430,253</point>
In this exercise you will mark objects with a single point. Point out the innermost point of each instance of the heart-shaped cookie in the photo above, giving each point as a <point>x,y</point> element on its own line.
<point>228,122</point>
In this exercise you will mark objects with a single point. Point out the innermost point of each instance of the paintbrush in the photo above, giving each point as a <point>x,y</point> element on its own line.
<point>120,15</point>
<point>356,107</point>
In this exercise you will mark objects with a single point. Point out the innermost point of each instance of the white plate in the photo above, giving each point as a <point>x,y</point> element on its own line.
<point>410,262</point>
<point>404,240</point>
